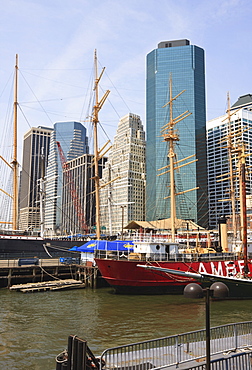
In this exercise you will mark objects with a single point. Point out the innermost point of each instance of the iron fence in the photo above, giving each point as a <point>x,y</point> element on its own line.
<point>177,349</point>
<point>241,361</point>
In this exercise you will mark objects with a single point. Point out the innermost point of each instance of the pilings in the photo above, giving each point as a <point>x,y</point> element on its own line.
<point>11,275</point>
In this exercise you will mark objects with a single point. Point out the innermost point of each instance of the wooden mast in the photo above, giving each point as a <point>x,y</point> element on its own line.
<point>244,209</point>
<point>232,189</point>
<point>14,160</point>
<point>173,137</point>
<point>96,109</point>
<point>170,135</point>
<point>42,192</point>
<point>96,176</point>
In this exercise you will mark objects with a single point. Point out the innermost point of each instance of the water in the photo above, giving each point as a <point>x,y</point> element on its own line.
<point>34,327</point>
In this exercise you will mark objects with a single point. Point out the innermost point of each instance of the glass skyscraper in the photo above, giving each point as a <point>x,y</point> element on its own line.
<point>74,143</point>
<point>184,64</point>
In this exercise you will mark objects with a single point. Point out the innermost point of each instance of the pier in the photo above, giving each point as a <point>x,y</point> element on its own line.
<point>11,273</point>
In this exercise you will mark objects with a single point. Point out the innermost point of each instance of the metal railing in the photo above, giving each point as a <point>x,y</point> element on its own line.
<point>242,361</point>
<point>177,349</point>
<point>181,257</point>
<point>14,262</point>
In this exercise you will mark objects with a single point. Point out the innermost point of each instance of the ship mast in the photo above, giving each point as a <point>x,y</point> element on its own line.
<point>232,189</point>
<point>231,148</point>
<point>244,209</point>
<point>42,192</point>
<point>98,105</point>
<point>14,160</point>
<point>170,135</point>
<point>243,204</point>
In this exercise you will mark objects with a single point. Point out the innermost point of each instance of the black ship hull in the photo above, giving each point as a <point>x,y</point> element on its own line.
<point>27,246</point>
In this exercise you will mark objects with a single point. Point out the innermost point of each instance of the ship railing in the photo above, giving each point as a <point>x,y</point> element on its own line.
<point>178,349</point>
<point>178,257</point>
<point>167,238</point>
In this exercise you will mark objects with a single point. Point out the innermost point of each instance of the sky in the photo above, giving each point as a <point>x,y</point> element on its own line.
<point>55,42</point>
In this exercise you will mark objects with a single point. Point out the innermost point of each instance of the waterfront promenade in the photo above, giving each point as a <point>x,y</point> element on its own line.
<point>180,349</point>
<point>231,348</point>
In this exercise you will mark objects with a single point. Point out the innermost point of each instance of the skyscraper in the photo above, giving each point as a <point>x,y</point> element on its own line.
<point>36,144</point>
<point>74,143</point>
<point>218,131</point>
<point>78,209</point>
<point>184,64</point>
<point>123,200</point>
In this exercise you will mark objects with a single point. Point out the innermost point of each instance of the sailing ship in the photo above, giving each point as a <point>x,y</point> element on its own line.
<point>164,255</point>
<point>16,243</point>
<point>237,279</point>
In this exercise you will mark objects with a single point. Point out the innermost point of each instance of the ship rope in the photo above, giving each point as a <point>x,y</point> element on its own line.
<point>171,276</point>
<point>47,273</point>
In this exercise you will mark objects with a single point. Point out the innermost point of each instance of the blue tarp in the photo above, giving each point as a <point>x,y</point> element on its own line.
<point>115,245</point>
<point>75,248</point>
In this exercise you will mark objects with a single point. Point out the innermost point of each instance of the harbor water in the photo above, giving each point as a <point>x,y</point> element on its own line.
<point>34,327</point>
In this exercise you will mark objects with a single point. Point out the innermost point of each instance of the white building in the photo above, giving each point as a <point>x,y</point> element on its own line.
<point>217,157</point>
<point>123,200</point>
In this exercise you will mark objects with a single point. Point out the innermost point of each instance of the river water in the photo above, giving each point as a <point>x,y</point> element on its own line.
<point>34,327</point>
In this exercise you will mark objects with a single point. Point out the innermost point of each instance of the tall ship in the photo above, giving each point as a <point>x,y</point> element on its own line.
<point>173,251</point>
<point>28,242</point>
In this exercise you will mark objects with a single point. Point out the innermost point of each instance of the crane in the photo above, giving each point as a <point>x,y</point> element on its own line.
<point>74,195</point>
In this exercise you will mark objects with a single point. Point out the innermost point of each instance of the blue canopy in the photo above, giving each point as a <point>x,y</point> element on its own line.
<point>75,248</point>
<point>115,245</point>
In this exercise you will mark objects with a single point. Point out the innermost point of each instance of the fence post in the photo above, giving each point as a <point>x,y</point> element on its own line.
<point>235,337</point>
<point>177,351</point>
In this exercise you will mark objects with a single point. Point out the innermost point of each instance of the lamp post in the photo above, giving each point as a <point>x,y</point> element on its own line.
<point>216,290</point>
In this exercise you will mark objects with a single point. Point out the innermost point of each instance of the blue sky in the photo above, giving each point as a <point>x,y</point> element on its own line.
<point>55,41</point>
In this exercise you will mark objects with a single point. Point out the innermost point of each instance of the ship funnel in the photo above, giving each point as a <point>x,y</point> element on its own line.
<point>223,241</point>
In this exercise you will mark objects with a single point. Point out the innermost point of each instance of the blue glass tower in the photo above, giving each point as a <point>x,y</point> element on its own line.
<point>184,63</point>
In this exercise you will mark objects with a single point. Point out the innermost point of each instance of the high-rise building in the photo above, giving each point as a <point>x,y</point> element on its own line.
<point>123,200</point>
<point>218,131</point>
<point>184,65</point>
<point>78,206</point>
<point>73,142</point>
<point>36,144</point>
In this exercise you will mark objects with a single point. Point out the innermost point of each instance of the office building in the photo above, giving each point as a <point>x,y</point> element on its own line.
<point>123,200</point>
<point>35,151</point>
<point>70,139</point>
<point>78,205</point>
<point>184,64</point>
<point>218,131</point>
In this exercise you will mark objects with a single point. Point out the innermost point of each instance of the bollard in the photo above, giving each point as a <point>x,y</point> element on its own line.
<point>62,361</point>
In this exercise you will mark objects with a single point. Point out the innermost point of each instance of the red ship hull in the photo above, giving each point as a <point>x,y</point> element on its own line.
<point>126,278</point>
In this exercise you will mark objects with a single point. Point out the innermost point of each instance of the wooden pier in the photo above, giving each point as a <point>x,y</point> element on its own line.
<point>48,270</point>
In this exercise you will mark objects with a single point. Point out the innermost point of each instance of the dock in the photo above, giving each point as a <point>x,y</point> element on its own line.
<point>48,269</point>
<point>48,286</point>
